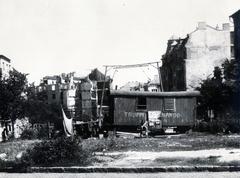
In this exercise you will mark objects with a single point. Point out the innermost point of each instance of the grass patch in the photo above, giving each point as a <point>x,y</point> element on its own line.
<point>168,161</point>
<point>12,148</point>
<point>232,163</point>
<point>170,143</point>
<point>212,160</point>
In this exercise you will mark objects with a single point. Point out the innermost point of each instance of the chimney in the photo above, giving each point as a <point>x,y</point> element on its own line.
<point>202,25</point>
<point>226,26</point>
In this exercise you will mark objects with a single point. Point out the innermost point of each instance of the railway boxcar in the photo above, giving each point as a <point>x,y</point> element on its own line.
<point>129,109</point>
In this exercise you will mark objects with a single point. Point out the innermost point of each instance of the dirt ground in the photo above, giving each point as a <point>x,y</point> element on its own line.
<point>220,157</point>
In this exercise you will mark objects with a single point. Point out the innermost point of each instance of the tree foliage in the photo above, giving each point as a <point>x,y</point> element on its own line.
<point>12,97</point>
<point>220,93</point>
<point>39,111</point>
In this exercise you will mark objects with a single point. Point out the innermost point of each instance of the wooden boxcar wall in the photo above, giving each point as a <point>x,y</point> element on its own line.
<point>125,111</point>
<point>183,115</point>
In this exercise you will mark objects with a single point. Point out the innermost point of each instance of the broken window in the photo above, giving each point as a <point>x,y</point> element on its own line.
<point>169,104</point>
<point>141,103</point>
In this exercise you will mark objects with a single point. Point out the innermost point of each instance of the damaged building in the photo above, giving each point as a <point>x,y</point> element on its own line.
<point>79,95</point>
<point>190,60</point>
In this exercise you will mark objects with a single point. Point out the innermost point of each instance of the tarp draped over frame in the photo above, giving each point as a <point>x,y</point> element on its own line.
<point>67,125</point>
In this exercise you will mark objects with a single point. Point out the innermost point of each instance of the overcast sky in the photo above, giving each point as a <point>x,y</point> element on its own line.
<point>46,37</point>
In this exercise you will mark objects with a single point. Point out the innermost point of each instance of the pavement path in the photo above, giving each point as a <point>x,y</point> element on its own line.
<point>124,175</point>
<point>145,159</point>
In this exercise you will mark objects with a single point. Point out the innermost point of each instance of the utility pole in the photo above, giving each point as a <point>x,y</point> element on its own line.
<point>160,77</point>
<point>102,97</point>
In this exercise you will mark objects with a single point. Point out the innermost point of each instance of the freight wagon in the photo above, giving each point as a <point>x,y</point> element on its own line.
<point>128,110</point>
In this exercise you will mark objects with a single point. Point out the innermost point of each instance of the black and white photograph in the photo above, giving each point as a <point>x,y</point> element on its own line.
<point>119,88</point>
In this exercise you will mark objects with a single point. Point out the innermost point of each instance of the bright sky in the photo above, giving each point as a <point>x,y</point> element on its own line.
<point>46,37</point>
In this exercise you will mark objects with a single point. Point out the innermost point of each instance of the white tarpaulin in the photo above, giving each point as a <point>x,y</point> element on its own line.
<point>67,125</point>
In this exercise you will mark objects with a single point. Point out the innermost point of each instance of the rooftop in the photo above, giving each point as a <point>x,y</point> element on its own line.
<point>50,77</point>
<point>237,13</point>
<point>156,94</point>
<point>5,58</point>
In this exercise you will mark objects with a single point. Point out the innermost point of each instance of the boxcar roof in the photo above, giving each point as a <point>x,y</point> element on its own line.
<point>156,94</point>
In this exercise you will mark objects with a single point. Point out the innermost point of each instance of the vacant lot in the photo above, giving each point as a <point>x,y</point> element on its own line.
<point>194,141</point>
<point>167,150</point>
<point>172,150</point>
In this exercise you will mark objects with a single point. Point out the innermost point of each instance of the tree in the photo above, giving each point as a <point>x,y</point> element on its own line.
<point>231,73</point>
<point>39,111</point>
<point>12,97</point>
<point>215,94</point>
<point>220,94</point>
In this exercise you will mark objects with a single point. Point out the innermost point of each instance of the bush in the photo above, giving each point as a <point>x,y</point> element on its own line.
<point>30,133</point>
<point>4,164</point>
<point>213,127</point>
<point>61,151</point>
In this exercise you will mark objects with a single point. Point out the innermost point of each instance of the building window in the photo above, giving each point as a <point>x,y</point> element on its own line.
<point>53,96</point>
<point>169,104</point>
<point>141,103</point>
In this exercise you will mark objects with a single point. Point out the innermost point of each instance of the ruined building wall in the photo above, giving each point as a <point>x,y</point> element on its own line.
<point>173,66</point>
<point>207,48</point>
<point>190,60</point>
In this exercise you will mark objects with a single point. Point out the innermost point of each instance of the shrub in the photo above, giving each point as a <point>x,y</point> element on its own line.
<point>61,151</point>
<point>42,132</point>
<point>33,133</point>
<point>213,126</point>
<point>4,164</point>
<point>29,134</point>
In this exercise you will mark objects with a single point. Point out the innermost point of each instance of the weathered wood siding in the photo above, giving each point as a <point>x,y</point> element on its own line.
<point>125,112</point>
<point>154,104</point>
<point>183,115</point>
